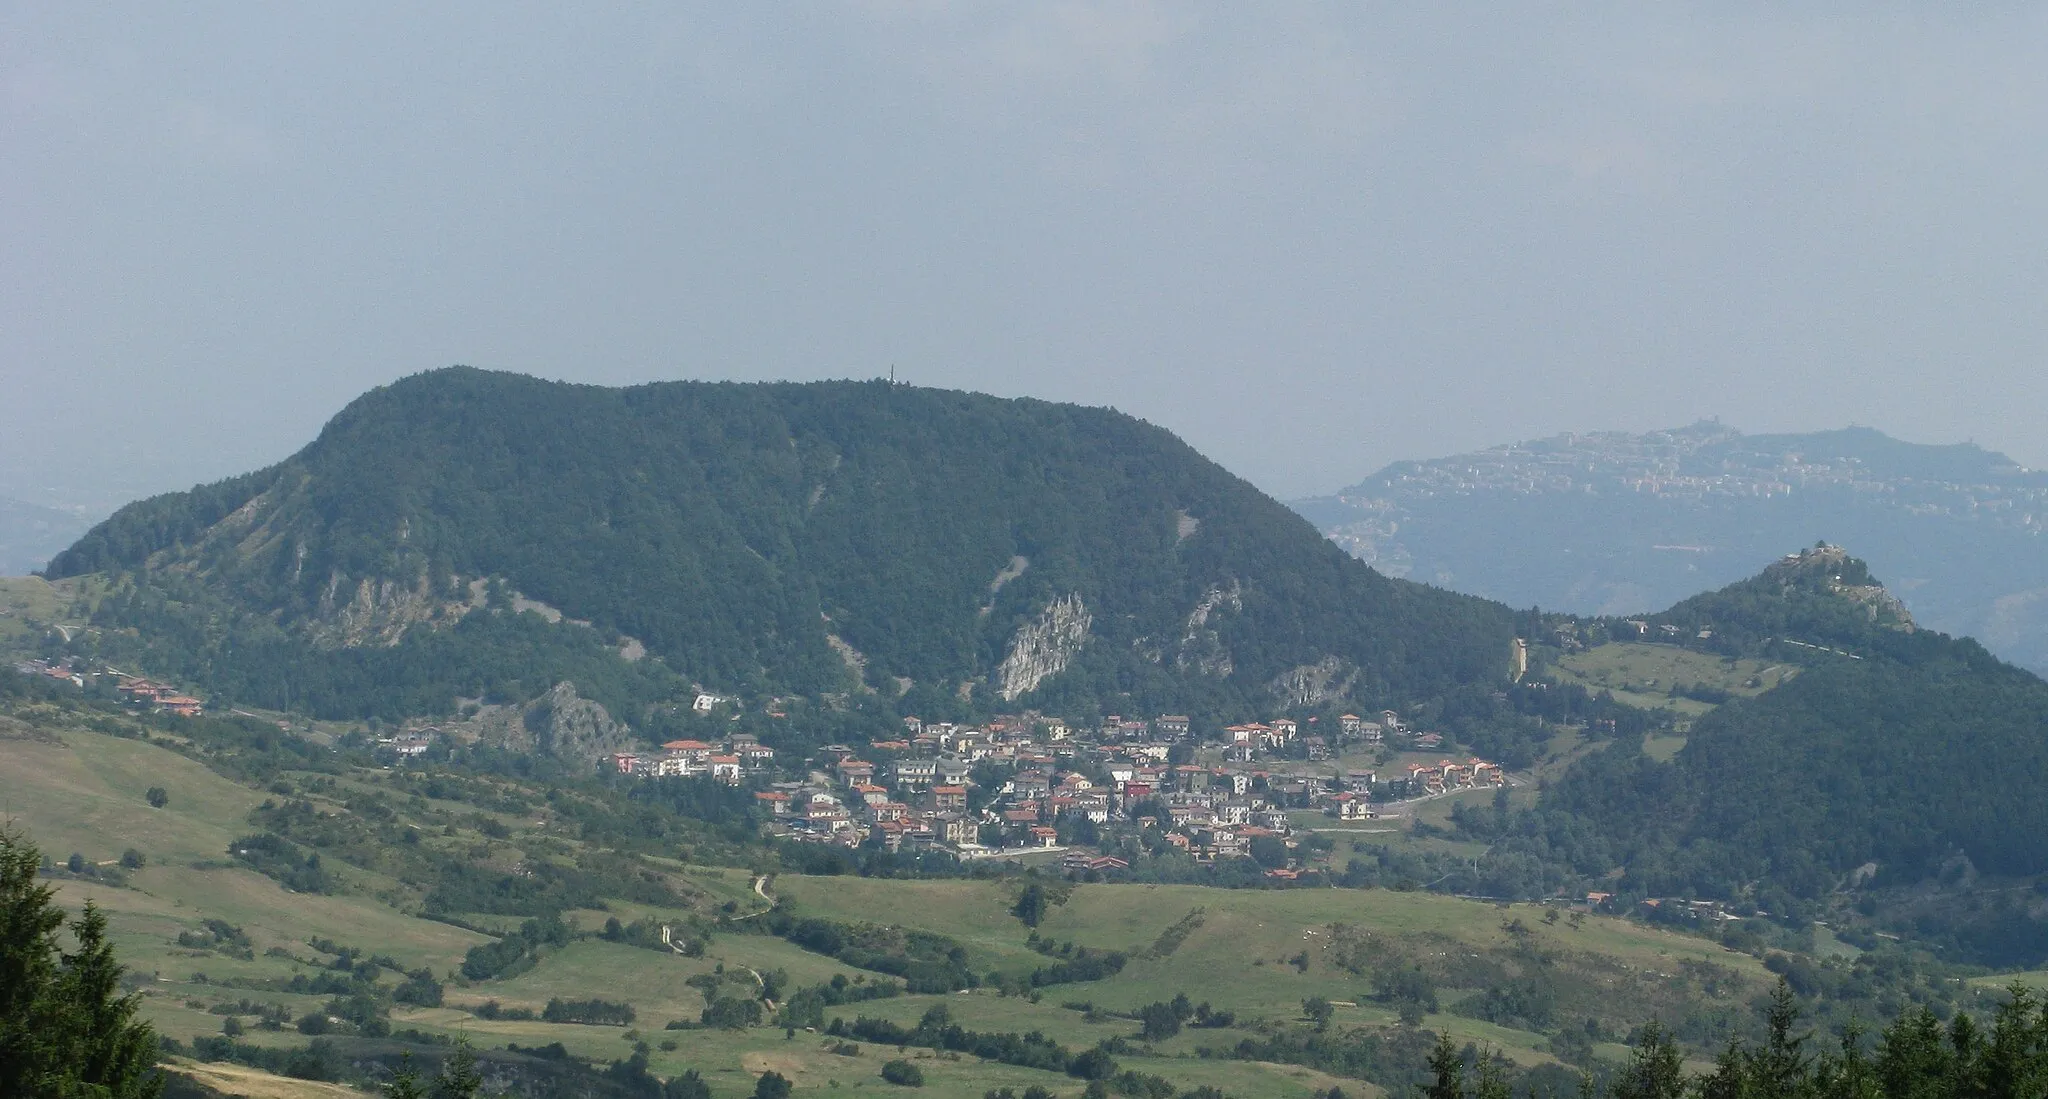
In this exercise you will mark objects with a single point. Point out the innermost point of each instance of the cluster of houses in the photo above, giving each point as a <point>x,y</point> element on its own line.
<point>61,672</point>
<point>159,697</point>
<point>729,761</point>
<point>1039,779</point>
<point>146,694</point>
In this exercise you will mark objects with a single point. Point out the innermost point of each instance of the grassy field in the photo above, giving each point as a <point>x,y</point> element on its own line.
<point>29,605</point>
<point>252,1083</point>
<point>1256,953</point>
<point>1642,673</point>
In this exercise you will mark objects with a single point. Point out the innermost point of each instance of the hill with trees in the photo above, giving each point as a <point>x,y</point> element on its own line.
<point>1899,771</point>
<point>812,538</point>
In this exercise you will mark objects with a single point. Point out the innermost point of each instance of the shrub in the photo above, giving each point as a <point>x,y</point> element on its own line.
<point>903,1073</point>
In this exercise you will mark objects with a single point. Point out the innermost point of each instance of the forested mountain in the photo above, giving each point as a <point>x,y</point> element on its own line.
<point>814,538</point>
<point>1896,758</point>
<point>1614,523</point>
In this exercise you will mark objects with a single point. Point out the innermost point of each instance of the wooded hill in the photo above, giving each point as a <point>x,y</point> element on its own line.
<point>1896,758</point>
<point>804,537</point>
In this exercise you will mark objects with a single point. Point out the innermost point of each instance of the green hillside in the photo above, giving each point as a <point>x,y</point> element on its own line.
<point>1892,783</point>
<point>810,538</point>
<point>232,965</point>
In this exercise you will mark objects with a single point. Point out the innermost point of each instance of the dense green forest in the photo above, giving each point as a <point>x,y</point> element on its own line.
<point>739,532</point>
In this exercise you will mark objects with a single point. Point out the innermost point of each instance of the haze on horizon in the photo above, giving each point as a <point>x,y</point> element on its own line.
<point>1309,240</point>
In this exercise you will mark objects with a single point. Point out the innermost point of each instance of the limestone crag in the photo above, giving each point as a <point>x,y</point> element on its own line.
<point>1201,647</point>
<point>377,611</point>
<point>561,724</point>
<point>1314,684</point>
<point>1044,647</point>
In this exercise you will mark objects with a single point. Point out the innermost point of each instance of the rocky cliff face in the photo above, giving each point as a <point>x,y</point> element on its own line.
<point>1201,648</point>
<point>1043,648</point>
<point>561,724</point>
<point>377,612</point>
<point>1314,684</point>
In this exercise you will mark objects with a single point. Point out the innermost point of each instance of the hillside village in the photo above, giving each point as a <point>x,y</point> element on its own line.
<point>1018,784</point>
<point>1023,783</point>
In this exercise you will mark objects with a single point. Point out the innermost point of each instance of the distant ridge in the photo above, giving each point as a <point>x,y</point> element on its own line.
<point>31,534</point>
<point>1617,523</point>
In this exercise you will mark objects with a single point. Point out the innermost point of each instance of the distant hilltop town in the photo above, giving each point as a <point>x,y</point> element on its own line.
<point>1703,461</point>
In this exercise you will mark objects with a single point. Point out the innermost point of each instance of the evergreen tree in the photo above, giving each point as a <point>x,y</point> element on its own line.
<point>1782,1069</point>
<point>1849,1074</point>
<point>459,1078</point>
<point>1914,1060</point>
<point>1448,1065</point>
<point>64,1028</point>
<point>1493,1079</point>
<point>405,1083</point>
<point>1656,1071</point>
<point>2015,1060</point>
<point>1730,1078</point>
<point>109,1048</point>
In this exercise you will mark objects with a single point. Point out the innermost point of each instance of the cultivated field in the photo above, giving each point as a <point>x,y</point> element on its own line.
<point>1642,674</point>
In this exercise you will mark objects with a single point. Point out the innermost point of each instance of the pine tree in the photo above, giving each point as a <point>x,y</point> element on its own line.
<point>65,1029</point>
<point>1493,1079</point>
<point>2015,1060</point>
<point>1914,1060</point>
<point>1730,1078</point>
<point>109,1048</point>
<point>29,920</point>
<point>1448,1065</point>
<point>459,1078</point>
<point>405,1083</point>
<point>1782,1069</point>
<point>1657,1071</point>
<point>1848,1074</point>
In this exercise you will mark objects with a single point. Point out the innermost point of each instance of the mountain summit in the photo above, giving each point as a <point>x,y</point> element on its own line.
<point>811,537</point>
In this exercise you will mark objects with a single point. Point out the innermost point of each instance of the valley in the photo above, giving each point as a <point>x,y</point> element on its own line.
<point>737,766</point>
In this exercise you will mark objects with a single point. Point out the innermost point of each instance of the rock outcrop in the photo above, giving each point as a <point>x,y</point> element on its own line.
<point>1044,647</point>
<point>1314,684</point>
<point>561,724</point>
<point>1201,649</point>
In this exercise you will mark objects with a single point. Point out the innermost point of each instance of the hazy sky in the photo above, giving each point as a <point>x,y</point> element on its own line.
<point>1311,240</point>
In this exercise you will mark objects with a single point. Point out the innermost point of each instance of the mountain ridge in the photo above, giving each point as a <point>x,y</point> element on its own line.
<point>817,537</point>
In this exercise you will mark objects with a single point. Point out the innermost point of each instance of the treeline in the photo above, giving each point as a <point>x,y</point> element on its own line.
<point>926,961</point>
<point>517,952</point>
<point>1916,1057</point>
<point>936,1030</point>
